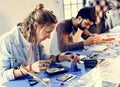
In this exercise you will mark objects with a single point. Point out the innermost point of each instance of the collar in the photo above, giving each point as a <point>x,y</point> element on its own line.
<point>73,27</point>
<point>22,40</point>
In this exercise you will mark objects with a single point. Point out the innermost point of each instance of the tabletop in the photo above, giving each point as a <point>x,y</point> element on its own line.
<point>27,80</point>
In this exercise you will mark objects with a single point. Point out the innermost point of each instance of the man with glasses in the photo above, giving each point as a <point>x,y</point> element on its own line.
<point>68,32</point>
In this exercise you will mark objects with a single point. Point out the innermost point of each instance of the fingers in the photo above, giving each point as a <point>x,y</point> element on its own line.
<point>42,69</point>
<point>98,39</point>
<point>92,40</point>
<point>45,61</point>
<point>95,41</point>
<point>72,57</point>
<point>86,32</point>
<point>75,58</point>
<point>43,65</point>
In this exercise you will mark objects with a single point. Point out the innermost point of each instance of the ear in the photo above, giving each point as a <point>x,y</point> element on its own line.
<point>80,18</point>
<point>35,25</point>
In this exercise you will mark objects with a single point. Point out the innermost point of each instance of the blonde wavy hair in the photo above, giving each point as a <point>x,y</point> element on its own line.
<point>42,16</point>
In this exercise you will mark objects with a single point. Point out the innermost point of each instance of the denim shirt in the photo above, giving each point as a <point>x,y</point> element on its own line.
<point>13,53</point>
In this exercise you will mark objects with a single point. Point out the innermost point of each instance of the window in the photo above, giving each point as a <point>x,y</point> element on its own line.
<point>71,7</point>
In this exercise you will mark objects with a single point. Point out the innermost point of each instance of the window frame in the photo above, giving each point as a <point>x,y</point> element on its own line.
<point>70,13</point>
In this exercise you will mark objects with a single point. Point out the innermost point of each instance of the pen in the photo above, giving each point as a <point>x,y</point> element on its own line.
<point>35,76</point>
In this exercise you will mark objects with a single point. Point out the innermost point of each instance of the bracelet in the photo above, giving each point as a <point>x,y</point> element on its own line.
<point>57,58</point>
<point>21,71</point>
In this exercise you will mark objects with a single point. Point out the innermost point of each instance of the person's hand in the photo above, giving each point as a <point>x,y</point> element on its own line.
<point>89,41</point>
<point>73,57</point>
<point>94,39</point>
<point>98,38</point>
<point>40,65</point>
<point>86,32</point>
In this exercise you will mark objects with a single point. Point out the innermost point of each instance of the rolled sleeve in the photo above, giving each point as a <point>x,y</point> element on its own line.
<point>8,75</point>
<point>5,72</point>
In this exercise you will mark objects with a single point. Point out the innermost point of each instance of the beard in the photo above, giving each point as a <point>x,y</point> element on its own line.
<point>80,26</point>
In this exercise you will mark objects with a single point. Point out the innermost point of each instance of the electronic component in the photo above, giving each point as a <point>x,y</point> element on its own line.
<point>56,70</point>
<point>90,60</point>
<point>65,77</point>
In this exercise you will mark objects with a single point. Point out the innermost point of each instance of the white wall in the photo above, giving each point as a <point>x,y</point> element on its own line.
<point>13,11</point>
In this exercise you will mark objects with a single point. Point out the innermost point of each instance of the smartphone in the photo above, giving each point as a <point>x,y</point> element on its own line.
<point>65,77</point>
